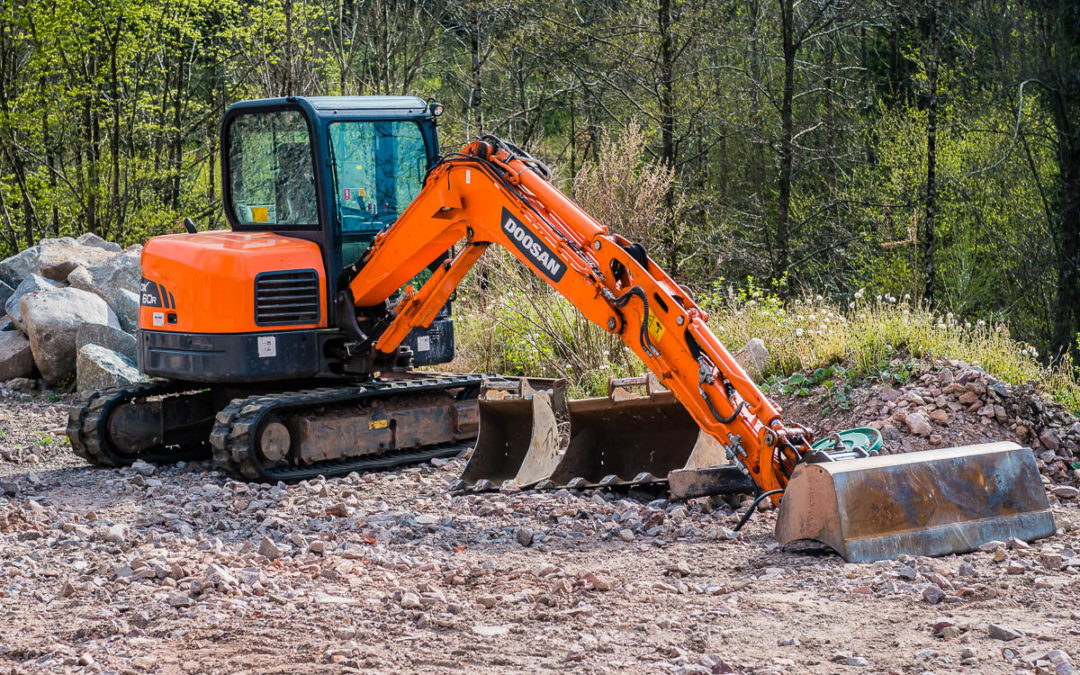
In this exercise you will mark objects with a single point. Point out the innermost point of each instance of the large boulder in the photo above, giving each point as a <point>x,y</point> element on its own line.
<point>32,283</point>
<point>58,257</point>
<point>108,337</point>
<point>126,306</point>
<point>16,359</point>
<point>19,266</point>
<point>52,318</point>
<point>101,368</point>
<point>91,239</point>
<point>754,358</point>
<point>6,292</point>
<point>117,281</point>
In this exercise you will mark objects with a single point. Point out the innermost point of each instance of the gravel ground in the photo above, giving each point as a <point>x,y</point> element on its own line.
<point>180,569</point>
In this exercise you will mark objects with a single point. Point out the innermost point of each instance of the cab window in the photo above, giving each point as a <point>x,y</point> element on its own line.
<point>379,168</point>
<point>270,169</point>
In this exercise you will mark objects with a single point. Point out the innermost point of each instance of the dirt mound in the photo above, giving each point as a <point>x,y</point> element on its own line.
<point>947,404</point>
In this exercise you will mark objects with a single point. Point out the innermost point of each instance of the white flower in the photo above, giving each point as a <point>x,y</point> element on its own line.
<point>818,298</point>
<point>851,305</point>
<point>879,298</point>
<point>942,326</point>
<point>980,322</point>
<point>799,331</point>
<point>907,296</point>
<point>859,293</point>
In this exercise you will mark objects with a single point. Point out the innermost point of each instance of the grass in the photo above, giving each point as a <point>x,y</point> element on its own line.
<point>523,328</point>
<point>869,334</point>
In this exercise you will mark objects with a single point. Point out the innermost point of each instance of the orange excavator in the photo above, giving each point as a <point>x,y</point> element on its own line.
<point>288,345</point>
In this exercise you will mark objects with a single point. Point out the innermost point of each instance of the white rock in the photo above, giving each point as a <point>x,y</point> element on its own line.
<point>100,368</point>
<point>91,239</point>
<point>269,549</point>
<point>116,280</point>
<point>116,534</point>
<point>754,358</point>
<point>108,337</point>
<point>19,266</point>
<point>58,257</point>
<point>917,424</point>
<point>490,631</point>
<point>33,282</point>
<point>16,359</point>
<point>179,600</point>
<point>52,320</point>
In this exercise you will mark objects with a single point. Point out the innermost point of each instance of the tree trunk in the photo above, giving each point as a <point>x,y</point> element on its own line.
<point>476,96</point>
<point>1067,307</point>
<point>926,240</point>
<point>1065,102</point>
<point>782,253</point>
<point>667,121</point>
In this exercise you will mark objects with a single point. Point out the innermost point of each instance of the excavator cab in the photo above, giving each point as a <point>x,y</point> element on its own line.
<point>307,184</point>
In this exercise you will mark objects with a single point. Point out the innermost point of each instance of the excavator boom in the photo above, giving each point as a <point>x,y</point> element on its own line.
<point>494,193</point>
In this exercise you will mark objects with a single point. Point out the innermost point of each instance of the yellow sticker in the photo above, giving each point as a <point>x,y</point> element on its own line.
<point>378,424</point>
<point>656,329</point>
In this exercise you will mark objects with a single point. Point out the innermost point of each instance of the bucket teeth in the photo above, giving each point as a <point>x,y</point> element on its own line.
<point>925,503</point>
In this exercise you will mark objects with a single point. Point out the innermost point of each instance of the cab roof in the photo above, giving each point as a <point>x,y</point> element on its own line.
<point>324,106</point>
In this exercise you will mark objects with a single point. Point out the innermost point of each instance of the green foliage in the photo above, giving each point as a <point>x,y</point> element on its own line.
<point>667,125</point>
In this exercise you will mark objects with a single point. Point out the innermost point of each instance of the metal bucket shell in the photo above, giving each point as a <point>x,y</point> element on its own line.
<point>928,503</point>
<point>623,441</point>
<point>533,438</point>
<point>521,438</point>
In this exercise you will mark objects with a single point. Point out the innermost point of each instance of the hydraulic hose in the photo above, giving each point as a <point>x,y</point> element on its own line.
<point>753,507</point>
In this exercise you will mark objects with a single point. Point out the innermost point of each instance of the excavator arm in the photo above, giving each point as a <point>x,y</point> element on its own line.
<point>494,193</point>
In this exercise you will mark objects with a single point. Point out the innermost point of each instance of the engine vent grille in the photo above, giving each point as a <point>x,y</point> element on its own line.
<point>287,298</point>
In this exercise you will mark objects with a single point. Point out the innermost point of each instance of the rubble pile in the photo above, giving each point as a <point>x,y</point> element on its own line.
<point>951,403</point>
<point>70,306</point>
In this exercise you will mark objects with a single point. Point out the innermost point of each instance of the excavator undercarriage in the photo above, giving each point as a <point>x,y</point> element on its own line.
<point>264,435</point>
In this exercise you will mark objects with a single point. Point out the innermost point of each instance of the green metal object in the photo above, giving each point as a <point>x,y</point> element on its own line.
<point>861,441</point>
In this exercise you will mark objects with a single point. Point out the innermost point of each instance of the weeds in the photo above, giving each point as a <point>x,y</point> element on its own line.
<point>518,326</point>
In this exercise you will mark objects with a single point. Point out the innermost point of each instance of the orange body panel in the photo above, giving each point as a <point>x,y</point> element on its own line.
<point>209,279</point>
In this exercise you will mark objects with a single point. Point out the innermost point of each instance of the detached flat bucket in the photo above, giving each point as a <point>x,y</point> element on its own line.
<point>523,430</point>
<point>922,503</point>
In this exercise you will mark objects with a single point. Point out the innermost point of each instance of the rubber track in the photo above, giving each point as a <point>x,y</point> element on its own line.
<point>233,437</point>
<point>87,426</point>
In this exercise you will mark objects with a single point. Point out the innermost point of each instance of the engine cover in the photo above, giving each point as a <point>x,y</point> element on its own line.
<point>231,282</point>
